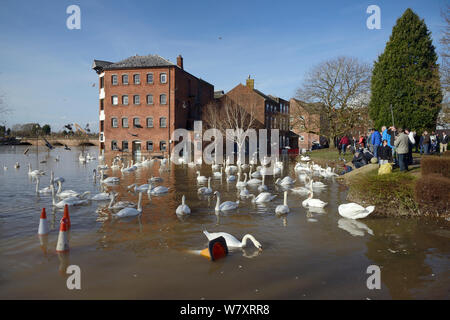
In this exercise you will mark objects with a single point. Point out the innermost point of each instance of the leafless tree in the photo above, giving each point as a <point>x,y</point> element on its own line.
<point>339,89</point>
<point>224,115</point>
<point>445,53</point>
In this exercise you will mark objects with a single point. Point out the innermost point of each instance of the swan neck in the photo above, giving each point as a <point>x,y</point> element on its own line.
<point>139,208</point>
<point>248,237</point>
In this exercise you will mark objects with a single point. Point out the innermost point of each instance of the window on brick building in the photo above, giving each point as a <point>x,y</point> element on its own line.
<point>114,123</point>
<point>149,145</point>
<point>136,122</point>
<point>163,77</point>
<point>115,100</point>
<point>114,145</point>
<point>162,145</point>
<point>136,99</point>
<point>124,122</point>
<point>102,104</point>
<point>163,122</point>
<point>102,82</point>
<point>114,80</point>
<point>124,145</point>
<point>124,79</point>
<point>125,100</point>
<point>136,79</point>
<point>149,77</point>
<point>150,122</point>
<point>163,99</point>
<point>149,99</point>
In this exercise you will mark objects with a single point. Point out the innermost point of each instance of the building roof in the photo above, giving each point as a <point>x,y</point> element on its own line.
<point>218,94</point>
<point>311,108</point>
<point>140,62</point>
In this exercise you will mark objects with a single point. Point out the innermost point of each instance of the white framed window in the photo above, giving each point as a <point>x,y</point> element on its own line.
<point>136,99</point>
<point>137,78</point>
<point>115,100</point>
<point>114,145</point>
<point>150,77</point>
<point>114,123</point>
<point>136,122</point>
<point>163,78</point>
<point>163,99</point>
<point>125,100</point>
<point>149,99</point>
<point>124,122</point>
<point>114,80</point>
<point>149,122</point>
<point>163,122</point>
<point>162,145</point>
<point>150,145</point>
<point>124,79</point>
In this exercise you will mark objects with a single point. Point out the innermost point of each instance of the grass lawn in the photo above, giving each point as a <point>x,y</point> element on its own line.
<point>328,155</point>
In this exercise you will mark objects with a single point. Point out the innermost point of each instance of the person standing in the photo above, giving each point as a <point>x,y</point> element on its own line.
<point>412,141</point>
<point>376,142</point>
<point>422,137</point>
<point>345,141</point>
<point>401,146</point>
<point>444,142</point>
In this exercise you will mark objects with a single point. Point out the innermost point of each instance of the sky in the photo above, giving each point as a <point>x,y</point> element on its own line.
<point>46,71</point>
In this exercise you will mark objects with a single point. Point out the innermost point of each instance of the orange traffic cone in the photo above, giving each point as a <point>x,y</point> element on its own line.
<point>63,241</point>
<point>66,216</point>
<point>43,224</point>
<point>217,249</point>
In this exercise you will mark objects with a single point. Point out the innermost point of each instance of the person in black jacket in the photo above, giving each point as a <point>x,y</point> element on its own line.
<point>359,160</point>
<point>384,153</point>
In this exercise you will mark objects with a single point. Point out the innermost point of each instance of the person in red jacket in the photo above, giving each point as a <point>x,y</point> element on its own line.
<point>345,141</point>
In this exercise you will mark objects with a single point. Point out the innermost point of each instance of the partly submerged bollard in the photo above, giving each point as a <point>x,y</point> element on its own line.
<point>63,241</point>
<point>217,248</point>
<point>43,224</point>
<point>66,215</point>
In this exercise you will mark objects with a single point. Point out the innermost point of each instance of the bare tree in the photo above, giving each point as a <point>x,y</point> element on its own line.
<point>225,114</point>
<point>339,88</point>
<point>445,54</point>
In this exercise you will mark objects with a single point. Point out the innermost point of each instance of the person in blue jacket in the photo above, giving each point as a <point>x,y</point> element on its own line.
<point>376,142</point>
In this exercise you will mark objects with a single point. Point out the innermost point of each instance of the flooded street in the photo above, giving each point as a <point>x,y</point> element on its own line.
<point>306,255</point>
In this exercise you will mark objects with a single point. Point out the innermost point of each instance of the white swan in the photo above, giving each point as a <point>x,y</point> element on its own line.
<point>263,197</point>
<point>240,184</point>
<point>310,202</point>
<point>231,178</point>
<point>283,208</point>
<point>34,173</point>
<point>81,158</point>
<point>305,158</point>
<point>68,193</point>
<point>70,201</point>
<point>218,174</point>
<point>227,205</point>
<point>121,204</point>
<point>155,179</point>
<point>201,178</point>
<point>17,165</point>
<point>109,180</point>
<point>285,181</point>
<point>245,193</point>
<point>183,208</point>
<point>102,196</point>
<point>263,187</point>
<point>231,241</point>
<point>255,174</point>
<point>131,212</point>
<point>254,181</point>
<point>301,190</point>
<point>43,190</point>
<point>205,190</point>
<point>157,190</point>
<point>354,210</point>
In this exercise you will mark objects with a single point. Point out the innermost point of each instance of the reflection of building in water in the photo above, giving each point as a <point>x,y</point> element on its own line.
<point>143,99</point>
<point>399,248</point>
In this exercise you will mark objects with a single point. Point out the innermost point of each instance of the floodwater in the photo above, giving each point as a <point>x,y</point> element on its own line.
<point>306,255</point>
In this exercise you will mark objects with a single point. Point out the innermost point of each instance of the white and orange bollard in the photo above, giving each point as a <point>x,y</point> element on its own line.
<point>63,240</point>
<point>66,215</point>
<point>43,224</point>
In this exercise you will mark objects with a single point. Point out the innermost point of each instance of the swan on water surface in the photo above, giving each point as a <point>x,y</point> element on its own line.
<point>205,190</point>
<point>354,211</point>
<point>121,204</point>
<point>310,202</point>
<point>131,212</point>
<point>240,184</point>
<point>224,206</point>
<point>201,178</point>
<point>231,241</point>
<point>263,197</point>
<point>183,207</point>
<point>157,190</point>
<point>283,208</point>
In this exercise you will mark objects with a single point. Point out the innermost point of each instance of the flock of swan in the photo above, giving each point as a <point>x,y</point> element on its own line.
<point>305,170</point>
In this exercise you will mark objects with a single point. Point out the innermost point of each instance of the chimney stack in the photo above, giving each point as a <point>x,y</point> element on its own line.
<point>250,83</point>
<point>180,61</point>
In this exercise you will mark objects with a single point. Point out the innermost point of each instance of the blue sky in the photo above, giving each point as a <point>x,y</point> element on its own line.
<point>45,68</point>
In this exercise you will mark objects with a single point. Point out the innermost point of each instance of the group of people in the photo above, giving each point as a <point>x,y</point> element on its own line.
<point>391,145</point>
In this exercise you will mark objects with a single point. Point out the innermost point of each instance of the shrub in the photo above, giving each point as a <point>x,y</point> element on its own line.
<point>432,194</point>
<point>434,164</point>
<point>446,153</point>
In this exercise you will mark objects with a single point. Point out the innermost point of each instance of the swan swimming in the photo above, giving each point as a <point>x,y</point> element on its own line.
<point>231,241</point>
<point>183,208</point>
<point>283,208</point>
<point>131,212</point>
<point>242,183</point>
<point>263,197</point>
<point>157,190</point>
<point>119,205</point>
<point>201,178</point>
<point>224,206</point>
<point>310,202</point>
<point>354,211</point>
<point>205,190</point>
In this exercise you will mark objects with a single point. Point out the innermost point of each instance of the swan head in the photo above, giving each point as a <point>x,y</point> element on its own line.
<point>217,193</point>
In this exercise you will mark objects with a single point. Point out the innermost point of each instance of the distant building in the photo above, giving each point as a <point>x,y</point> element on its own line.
<point>306,121</point>
<point>270,112</point>
<point>143,99</point>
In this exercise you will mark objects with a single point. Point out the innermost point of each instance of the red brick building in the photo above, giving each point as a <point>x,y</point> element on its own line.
<point>272,112</point>
<point>143,99</point>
